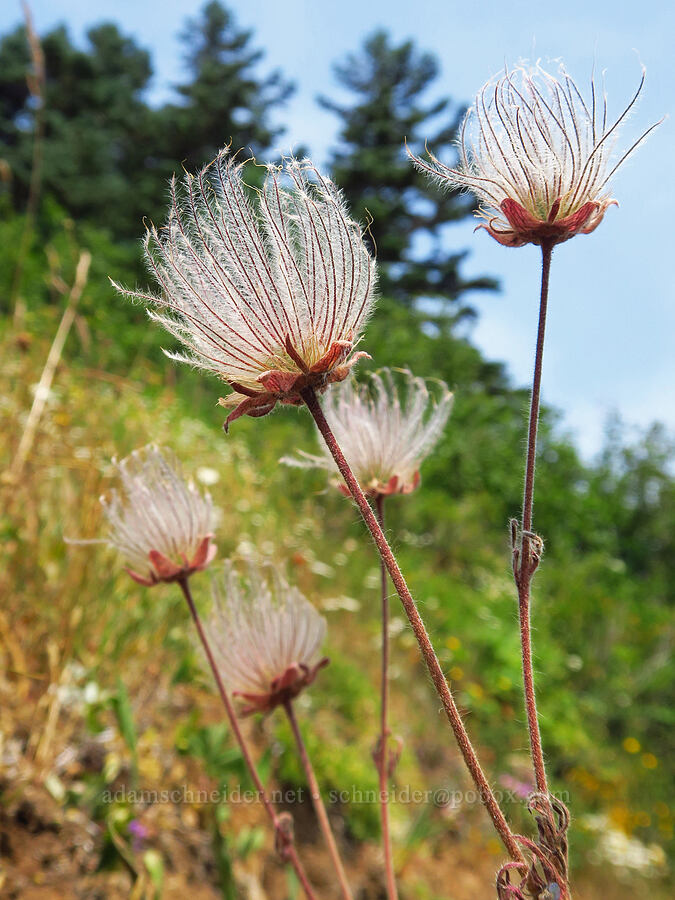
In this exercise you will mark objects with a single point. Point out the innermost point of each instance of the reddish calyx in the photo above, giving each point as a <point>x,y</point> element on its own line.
<point>164,569</point>
<point>527,229</point>
<point>282,689</point>
<point>277,386</point>
<point>395,485</point>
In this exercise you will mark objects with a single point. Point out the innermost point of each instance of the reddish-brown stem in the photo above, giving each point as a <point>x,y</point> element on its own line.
<point>383,745</point>
<point>289,852</point>
<point>317,800</point>
<point>527,561</point>
<point>528,491</point>
<point>420,632</point>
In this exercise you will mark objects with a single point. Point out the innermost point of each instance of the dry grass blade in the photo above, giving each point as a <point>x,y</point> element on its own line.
<point>53,357</point>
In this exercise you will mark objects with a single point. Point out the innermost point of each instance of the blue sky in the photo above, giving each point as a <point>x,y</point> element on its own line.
<point>610,343</point>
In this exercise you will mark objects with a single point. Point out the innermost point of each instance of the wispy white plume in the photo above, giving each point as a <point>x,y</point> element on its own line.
<point>385,427</point>
<point>537,155</point>
<point>265,636</point>
<point>160,523</point>
<point>267,288</point>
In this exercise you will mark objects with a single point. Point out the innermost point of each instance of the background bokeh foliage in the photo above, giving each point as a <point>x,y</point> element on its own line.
<point>101,682</point>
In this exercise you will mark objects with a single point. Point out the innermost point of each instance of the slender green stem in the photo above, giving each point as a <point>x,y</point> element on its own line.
<point>433,665</point>
<point>383,744</point>
<point>284,844</point>
<point>317,800</point>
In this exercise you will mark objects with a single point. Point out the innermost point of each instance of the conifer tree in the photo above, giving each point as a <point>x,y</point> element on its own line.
<point>390,84</point>
<point>95,122</point>
<point>108,153</point>
<point>225,99</point>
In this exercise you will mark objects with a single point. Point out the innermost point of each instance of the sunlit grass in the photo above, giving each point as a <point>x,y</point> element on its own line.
<point>69,606</point>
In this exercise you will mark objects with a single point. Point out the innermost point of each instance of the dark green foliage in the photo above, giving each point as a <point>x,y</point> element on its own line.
<point>224,100</point>
<point>96,125</point>
<point>390,83</point>
<point>107,154</point>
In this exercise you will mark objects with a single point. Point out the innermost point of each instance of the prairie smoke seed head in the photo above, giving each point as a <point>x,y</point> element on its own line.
<point>267,288</point>
<point>385,427</point>
<point>537,155</point>
<point>160,524</point>
<point>265,636</point>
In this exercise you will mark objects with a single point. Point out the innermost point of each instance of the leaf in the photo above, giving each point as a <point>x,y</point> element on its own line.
<point>125,720</point>
<point>153,862</point>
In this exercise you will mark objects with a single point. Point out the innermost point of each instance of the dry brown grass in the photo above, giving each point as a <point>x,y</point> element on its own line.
<point>63,603</point>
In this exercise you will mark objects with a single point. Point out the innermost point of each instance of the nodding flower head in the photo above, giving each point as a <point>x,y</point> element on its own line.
<point>537,155</point>
<point>161,524</point>
<point>265,636</point>
<point>267,288</point>
<point>386,427</point>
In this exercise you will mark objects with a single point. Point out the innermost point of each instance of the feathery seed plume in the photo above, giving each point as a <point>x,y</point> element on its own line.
<point>267,288</point>
<point>265,636</point>
<point>160,524</point>
<point>537,155</point>
<point>386,427</point>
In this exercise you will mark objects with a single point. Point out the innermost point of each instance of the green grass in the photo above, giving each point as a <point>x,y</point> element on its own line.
<point>601,632</point>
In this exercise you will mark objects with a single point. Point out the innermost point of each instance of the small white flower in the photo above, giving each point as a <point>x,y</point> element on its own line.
<point>537,155</point>
<point>270,294</point>
<point>266,637</point>
<point>385,427</point>
<point>625,851</point>
<point>208,476</point>
<point>161,524</point>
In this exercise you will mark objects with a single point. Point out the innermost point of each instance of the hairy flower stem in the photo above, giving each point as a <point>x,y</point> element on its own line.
<point>420,632</point>
<point>317,800</point>
<point>382,750</point>
<point>526,558</point>
<point>283,841</point>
